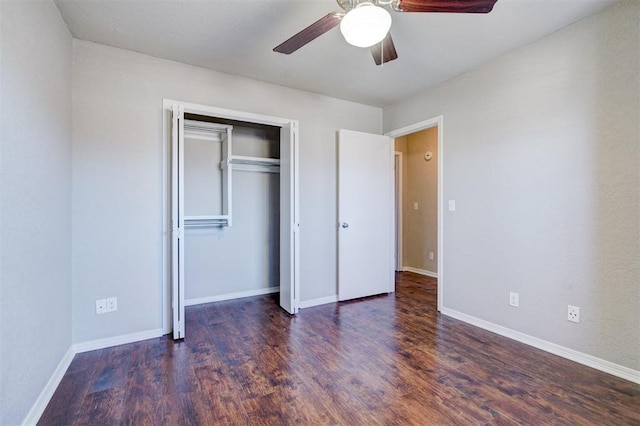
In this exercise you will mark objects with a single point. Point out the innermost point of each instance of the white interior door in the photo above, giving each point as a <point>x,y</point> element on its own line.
<point>289,223</point>
<point>177,221</point>
<point>365,215</point>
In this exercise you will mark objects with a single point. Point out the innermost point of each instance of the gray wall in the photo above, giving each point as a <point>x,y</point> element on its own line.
<point>541,153</point>
<point>117,177</point>
<point>35,202</point>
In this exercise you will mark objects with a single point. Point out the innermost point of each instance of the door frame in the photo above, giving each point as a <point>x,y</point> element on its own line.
<point>438,122</point>
<point>397,156</point>
<point>166,192</point>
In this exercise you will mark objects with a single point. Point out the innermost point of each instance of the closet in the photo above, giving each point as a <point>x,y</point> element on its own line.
<point>234,227</point>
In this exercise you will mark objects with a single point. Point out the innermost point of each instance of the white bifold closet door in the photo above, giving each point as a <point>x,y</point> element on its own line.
<point>177,221</point>
<point>365,215</point>
<point>289,210</point>
<point>289,222</point>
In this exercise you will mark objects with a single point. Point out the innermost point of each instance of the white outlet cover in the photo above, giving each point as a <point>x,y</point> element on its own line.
<point>573,313</point>
<point>452,205</point>
<point>514,299</point>
<point>101,306</point>
<point>112,304</point>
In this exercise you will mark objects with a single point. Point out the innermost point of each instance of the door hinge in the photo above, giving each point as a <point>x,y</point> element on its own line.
<point>179,233</point>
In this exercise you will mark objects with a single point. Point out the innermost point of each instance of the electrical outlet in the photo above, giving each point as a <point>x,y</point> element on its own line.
<point>573,313</point>
<point>415,206</point>
<point>112,304</point>
<point>101,306</point>
<point>431,255</point>
<point>514,299</point>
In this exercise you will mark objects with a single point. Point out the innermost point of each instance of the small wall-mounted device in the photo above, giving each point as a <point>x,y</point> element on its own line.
<point>428,155</point>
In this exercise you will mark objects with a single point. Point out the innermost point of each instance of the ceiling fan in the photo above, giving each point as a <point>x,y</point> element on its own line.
<point>366,23</point>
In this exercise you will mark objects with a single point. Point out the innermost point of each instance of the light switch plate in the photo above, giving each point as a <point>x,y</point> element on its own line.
<point>452,205</point>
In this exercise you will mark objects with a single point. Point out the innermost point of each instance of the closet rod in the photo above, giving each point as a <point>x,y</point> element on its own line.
<point>206,224</point>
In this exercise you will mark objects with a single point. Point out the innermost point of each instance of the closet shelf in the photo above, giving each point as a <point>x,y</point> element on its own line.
<point>207,131</point>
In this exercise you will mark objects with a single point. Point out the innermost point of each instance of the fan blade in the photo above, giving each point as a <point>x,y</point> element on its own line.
<point>447,6</point>
<point>310,33</point>
<point>384,51</point>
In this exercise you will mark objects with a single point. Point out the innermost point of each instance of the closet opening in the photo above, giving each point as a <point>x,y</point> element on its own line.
<point>233,208</point>
<point>242,257</point>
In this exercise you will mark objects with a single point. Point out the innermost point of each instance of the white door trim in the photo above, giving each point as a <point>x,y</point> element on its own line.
<point>166,185</point>
<point>416,127</point>
<point>398,208</point>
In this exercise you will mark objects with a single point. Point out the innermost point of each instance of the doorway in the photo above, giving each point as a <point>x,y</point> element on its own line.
<point>426,201</point>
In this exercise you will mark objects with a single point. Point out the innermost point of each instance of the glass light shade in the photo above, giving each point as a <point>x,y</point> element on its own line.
<point>365,25</point>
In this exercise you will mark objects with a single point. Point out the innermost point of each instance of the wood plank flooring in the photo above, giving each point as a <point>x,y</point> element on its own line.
<point>388,359</point>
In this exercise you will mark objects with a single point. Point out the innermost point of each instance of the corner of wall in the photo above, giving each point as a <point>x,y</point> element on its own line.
<point>35,206</point>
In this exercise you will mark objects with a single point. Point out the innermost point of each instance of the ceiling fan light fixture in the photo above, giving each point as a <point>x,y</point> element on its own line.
<point>365,25</point>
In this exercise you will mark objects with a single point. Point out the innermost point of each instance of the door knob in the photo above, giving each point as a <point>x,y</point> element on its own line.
<point>345,225</point>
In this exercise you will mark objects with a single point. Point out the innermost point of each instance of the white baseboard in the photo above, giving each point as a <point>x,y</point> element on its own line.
<point>45,396</point>
<point>92,345</point>
<point>319,301</point>
<point>229,296</point>
<point>570,354</point>
<point>420,271</point>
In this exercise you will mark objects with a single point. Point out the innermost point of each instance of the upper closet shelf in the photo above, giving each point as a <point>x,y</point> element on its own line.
<point>208,131</point>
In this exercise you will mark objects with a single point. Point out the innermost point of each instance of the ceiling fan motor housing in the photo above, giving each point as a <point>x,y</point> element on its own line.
<point>352,4</point>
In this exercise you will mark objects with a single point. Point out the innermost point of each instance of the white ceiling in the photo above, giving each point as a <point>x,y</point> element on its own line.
<point>237,37</point>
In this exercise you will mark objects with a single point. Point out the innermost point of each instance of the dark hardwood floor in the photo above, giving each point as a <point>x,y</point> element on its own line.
<point>383,360</point>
